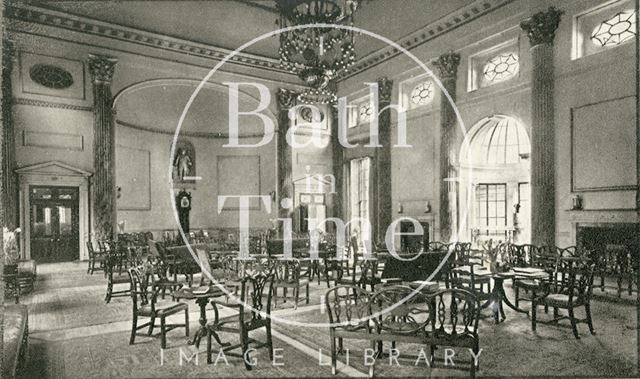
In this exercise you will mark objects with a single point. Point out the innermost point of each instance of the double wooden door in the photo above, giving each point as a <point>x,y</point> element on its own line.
<point>54,220</point>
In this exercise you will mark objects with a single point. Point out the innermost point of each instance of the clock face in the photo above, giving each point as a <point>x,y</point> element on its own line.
<point>307,114</point>
<point>184,203</point>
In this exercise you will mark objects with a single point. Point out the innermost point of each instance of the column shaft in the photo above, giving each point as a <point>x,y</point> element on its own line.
<point>338,166</point>
<point>9,185</point>
<point>382,199</point>
<point>286,100</point>
<point>103,189</point>
<point>540,29</point>
<point>447,64</point>
<point>542,147</point>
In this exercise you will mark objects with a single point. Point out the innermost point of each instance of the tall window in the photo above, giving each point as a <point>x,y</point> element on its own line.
<point>359,180</point>
<point>491,208</point>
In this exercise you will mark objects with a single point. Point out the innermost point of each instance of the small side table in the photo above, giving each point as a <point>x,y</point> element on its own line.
<point>202,299</point>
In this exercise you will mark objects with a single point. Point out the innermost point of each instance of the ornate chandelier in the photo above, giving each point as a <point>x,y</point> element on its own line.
<point>317,54</point>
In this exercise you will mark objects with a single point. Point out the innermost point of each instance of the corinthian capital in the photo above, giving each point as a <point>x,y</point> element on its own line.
<point>385,86</point>
<point>286,98</point>
<point>541,27</point>
<point>101,68</point>
<point>447,65</point>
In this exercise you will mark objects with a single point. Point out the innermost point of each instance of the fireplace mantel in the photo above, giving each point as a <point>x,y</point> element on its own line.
<point>600,218</point>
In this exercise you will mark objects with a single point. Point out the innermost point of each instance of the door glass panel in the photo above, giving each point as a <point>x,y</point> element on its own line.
<point>54,224</point>
<point>64,221</point>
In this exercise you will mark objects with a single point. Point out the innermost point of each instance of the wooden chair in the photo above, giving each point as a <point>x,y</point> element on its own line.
<point>349,312</point>
<point>288,276</point>
<point>455,323</point>
<point>467,275</point>
<point>144,305</point>
<point>366,276</point>
<point>572,292</point>
<point>443,249</point>
<point>541,257</point>
<point>400,314</point>
<point>336,269</point>
<point>113,266</point>
<point>252,314</point>
<point>11,283</point>
<point>156,258</point>
<point>95,257</point>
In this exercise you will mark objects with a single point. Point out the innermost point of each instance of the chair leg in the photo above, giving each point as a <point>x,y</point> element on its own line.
<point>555,312</point>
<point>209,360</point>
<point>107,298</point>
<point>533,314</point>
<point>587,308</point>
<point>333,352</point>
<point>186,322</point>
<point>307,294</point>
<point>517,297</point>
<point>134,326</point>
<point>151,325</point>
<point>269,342</point>
<point>244,343</point>
<point>574,326</point>
<point>163,333</point>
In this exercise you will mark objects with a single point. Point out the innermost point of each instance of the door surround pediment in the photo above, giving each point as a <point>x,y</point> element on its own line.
<point>53,173</point>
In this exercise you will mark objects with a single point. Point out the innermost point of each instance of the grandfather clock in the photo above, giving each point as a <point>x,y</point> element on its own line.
<point>183,204</point>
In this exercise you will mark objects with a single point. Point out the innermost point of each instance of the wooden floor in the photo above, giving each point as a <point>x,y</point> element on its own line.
<point>75,334</point>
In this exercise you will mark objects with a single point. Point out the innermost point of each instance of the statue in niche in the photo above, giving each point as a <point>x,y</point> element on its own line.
<point>184,162</point>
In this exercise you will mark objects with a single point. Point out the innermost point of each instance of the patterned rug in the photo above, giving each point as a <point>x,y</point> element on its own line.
<point>510,348</point>
<point>110,356</point>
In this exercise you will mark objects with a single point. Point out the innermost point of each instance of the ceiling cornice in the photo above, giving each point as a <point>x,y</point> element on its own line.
<point>49,17</point>
<point>45,16</point>
<point>425,34</point>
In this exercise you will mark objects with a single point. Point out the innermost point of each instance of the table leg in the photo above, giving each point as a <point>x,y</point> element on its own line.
<point>495,297</point>
<point>506,300</point>
<point>202,331</point>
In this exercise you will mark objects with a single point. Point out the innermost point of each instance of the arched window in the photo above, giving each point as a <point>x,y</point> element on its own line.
<point>497,140</point>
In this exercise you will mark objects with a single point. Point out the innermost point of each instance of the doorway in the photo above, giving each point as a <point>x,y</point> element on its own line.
<point>54,223</point>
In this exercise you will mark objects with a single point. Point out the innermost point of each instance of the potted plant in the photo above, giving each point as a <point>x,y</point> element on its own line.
<point>10,246</point>
<point>491,254</point>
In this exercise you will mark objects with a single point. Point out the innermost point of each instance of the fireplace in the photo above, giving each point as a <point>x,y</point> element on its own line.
<point>413,242</point>
<point>601,237</point>
<point>615,248</point>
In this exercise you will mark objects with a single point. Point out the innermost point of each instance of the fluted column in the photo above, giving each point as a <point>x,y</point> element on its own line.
<point>338,165</point>
<point>383,206</point>
<point>286,100</point>
<point>103,189</point>
<point>2,175</point>
<point>9,185</point>
<point>541,29</point>
<point>447,65</point>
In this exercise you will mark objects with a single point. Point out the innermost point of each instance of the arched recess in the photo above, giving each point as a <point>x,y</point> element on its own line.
<point>495,174</point>
<point>147,115</point>
<point>185,82</point>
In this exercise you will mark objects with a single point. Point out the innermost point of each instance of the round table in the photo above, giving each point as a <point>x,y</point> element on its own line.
<point>201,299</point>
